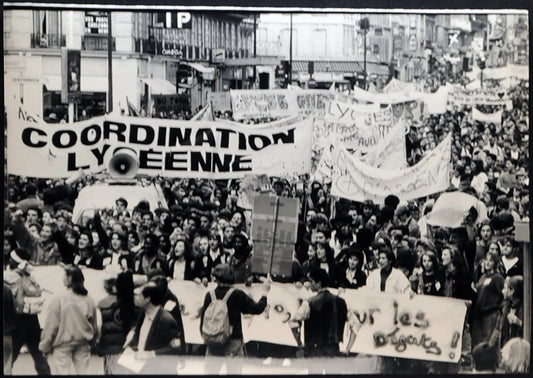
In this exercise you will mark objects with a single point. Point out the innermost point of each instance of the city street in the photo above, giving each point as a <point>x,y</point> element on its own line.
<point>195,365</point>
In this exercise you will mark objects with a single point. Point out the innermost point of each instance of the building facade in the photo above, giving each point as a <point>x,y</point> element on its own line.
<point>161,61</point>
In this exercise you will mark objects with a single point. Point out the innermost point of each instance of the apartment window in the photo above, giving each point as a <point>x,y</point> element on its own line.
<point>47,29</point>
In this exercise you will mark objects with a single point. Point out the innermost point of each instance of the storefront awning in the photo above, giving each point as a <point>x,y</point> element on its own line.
<point>160,86</point>
<point>208,73</point>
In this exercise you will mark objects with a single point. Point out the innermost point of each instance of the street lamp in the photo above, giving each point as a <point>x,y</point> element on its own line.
<point>364,25</point>
<point>481,65</point>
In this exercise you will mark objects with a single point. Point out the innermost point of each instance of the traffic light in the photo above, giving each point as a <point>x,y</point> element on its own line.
<point>70,75</point>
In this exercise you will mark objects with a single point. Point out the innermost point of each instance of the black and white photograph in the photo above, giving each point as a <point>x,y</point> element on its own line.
<point>252,190</point>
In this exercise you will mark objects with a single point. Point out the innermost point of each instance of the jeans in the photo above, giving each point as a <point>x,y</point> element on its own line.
<point>8,354</point>
<point>28,331</point>
<point>63,357</point>
<point>215,357</point>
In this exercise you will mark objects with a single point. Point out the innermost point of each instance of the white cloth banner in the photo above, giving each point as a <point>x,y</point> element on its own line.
<point>495,117</point>
<point>359,131</point>
<point>168,148</point>
<point>387,325</point>
<point>362,181</point>
<point>276,103</point>
<point>394,325</point>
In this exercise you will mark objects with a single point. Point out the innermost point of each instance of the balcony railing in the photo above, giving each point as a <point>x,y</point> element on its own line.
<point>96,42</point>
<point>48,40</point>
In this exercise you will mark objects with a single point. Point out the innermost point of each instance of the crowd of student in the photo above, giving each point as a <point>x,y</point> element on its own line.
<point>341,244</point>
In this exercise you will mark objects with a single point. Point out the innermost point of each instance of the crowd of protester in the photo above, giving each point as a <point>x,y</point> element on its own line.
<point>386,246</point>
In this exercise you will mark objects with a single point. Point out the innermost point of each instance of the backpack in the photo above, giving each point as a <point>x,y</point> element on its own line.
<point>27,293</point>
<point>216,329</point>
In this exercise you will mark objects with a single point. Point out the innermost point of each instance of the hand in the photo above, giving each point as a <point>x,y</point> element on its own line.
<point>307,285</point>
<point>198,280</point>
<point>205,282</point>
<point>298,284</point>
<point>341,291</point>
<point>266,287</point>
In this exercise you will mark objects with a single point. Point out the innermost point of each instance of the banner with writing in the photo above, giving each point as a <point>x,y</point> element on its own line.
<point>483,96</point>
<point>358,130</point>
<point>362,181</point>
<point>436,103</point>
<point>495,117</point>
<point>276,103</point>
<point>390,153</point>
<point>385,324</point>
<point>169,148</point>
<point>394,325</point>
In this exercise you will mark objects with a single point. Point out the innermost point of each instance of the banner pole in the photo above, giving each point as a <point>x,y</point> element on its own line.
<point>274,227</point>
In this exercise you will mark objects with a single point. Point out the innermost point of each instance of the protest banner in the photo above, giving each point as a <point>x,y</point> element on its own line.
<point>495,117</point>
<point>480,96</point>
<point>390,325</point>
<point>276,103</point>
<point>362,181</point>
<point>359,131</point>
<point>394,325</point>
<point>169,148</point>
<point>389,152</point>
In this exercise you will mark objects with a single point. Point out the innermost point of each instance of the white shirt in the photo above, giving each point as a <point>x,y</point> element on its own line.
<point>509,263</point>
<point>179,270</point>
<point>146,326</point>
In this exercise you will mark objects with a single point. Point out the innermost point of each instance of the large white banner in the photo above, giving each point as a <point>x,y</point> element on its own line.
<point>362,181</point>
<point>169,148</point>
<point>495,117</point>
<point>483,96</point>
<point>386,324</point>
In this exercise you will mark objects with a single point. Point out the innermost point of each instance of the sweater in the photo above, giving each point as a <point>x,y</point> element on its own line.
<point>71,320</point>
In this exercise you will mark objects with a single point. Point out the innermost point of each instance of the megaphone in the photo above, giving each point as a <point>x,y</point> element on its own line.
<point>124,164</point>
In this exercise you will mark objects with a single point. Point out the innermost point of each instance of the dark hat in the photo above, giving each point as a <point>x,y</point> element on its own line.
<point>223,273</point>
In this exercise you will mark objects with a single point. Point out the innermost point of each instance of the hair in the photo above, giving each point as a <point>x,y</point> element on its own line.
<point>517,284</point>
<point>76,282</point>
<point>223,274</point>
<point>329,251</point>
<point>319,275</point>
<point>123,201</point>
<point>498,265</point>
<point>34,208</point>
<point>123,239</point>
<point>86,231</point>
<point>485,356</point>
<point>516,355</point>
<point>155,293</point>
<point>433,258</point>
<point>390,256</point>
<point>124,285</point>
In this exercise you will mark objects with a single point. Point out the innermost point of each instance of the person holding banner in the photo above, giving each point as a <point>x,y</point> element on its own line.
<point>324,317</point>
<point>237,303</point>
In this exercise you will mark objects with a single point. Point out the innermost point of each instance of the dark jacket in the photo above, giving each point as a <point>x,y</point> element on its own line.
<point>204,264</point>
<point>238,303</point>
<point>112,333</point>
<point>161,335</point>
<point>189,272</point>
<point>94,261</point>
<point>172,305</point>
<point>9,314</point>
<point>358,279</point>
<point>325,325</point>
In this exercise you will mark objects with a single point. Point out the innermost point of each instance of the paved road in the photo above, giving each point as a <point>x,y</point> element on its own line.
<point>193,365</point>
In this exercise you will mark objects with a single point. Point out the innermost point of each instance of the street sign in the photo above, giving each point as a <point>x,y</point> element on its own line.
<point>274,227</point>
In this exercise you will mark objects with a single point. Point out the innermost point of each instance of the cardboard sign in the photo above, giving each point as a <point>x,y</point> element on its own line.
<point>274,226</point>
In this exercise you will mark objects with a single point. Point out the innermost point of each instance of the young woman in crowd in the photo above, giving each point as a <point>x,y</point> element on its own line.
<point>181,261</point>
<point>118,254</point>
<point>487,307</point>
<point>513,309</point>
<point>70,329</point>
